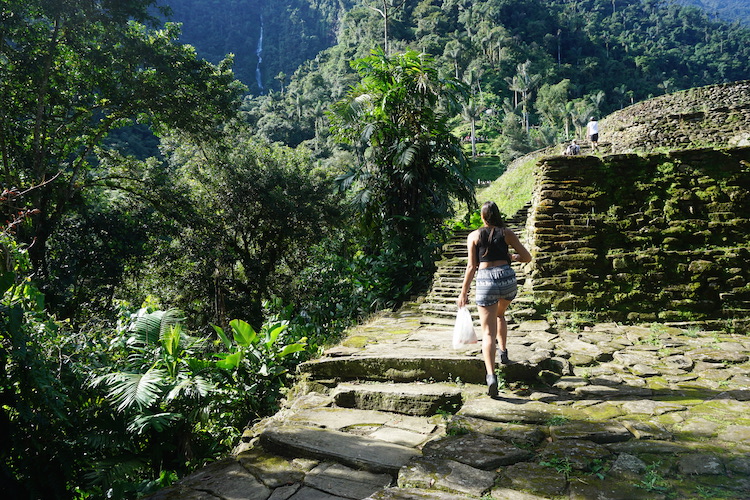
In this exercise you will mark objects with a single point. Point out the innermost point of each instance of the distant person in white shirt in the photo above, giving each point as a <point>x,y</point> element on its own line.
<point>592,129</point>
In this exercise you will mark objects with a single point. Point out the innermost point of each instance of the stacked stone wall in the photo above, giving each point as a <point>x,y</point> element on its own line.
<point>712,116</point>
<point>643,238</point>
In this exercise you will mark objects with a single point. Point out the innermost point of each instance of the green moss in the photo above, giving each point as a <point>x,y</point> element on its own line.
<point>357,341</point>
<point>603,412</point>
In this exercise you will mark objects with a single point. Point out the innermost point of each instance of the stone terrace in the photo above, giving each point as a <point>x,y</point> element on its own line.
<point>715,115</point>
<point>587,411</point>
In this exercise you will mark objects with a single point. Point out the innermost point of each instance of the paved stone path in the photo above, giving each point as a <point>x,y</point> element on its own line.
<point>603,411</point>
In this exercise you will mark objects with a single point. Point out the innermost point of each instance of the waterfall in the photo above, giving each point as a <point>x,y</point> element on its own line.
<point>259,53</point>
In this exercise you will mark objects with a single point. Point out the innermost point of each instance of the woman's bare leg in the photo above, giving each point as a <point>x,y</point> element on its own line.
<point>502,324</point>
<point>489,321</point>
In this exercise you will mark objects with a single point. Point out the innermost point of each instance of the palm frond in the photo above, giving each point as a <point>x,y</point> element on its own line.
<point>105,473</point>
<point>135,389</point>
<point>149,327</point>
<point>405,154</point>
<point>157,421</point>
<point>170,339</point>
<point>191,387</point>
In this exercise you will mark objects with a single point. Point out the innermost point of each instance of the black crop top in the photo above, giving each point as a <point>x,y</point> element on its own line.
<point>498,248</point>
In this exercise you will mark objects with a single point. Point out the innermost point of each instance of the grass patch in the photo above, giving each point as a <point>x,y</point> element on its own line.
<point>653,481</point>
<point>561,465</point>
<point>556,421</point>
<point>487,168</point>
<point>512,190</point>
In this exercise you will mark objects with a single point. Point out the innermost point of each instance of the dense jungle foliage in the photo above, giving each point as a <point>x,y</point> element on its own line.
<point>177,240</point>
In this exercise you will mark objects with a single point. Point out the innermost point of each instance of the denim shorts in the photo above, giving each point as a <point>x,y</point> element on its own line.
<point>495,283</point>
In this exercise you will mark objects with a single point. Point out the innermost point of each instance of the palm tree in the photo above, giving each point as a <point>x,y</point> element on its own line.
<point>523,82</point>
<point>453,50</point>
<point>596,101</point>
<point>470,111</point>
<point>393,5</point>
<point>410,166</point>
<point>318,114</point>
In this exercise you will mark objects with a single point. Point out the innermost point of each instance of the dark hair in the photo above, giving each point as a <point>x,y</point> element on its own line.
<point>491,214</point>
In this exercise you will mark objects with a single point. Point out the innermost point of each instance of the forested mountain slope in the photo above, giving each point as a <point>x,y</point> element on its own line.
<point>731,10</point>
<point>537,69</point>
<point>599,44</point>
<point>266,38</point>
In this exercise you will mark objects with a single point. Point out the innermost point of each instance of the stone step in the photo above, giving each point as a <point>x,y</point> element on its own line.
<point>409,399</point>
<point>392,427</point>
<point>432,320</point>
<point>449,314</point>
<point>439,368</point>
<point>360,452</point>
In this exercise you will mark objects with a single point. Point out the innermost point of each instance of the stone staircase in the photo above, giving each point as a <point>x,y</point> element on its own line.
<point>439,305</point>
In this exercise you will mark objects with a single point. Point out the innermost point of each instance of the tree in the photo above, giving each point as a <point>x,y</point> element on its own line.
<point>470,112</point>
<point>410,166</point>
<point>250,214</point>
<point>386,11</point>
<point>551,101</point>
<point>523,82</point>
<point>70,73</point>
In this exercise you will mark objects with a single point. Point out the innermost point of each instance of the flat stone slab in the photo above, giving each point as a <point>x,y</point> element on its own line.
<point>307,493</point>
<point>510,432</point>
<point>578,453</point>
<point>511,494</point>
<point>701,464</point>
<point>284,492</point>
<point>399,436</point>
<point>610,489</point>
<point>343,481</point>
<point>608,391</point>
<point>719,356</point>
<point>225,479</point>
<point>535,478</point>
<point>272,470</point>
<point>337,418</point>
<point>598,432</point>
<point>649,407</point>
<point>446,475</point>
<point>409,399</point>
<point>344,418</point>
<point>576,346</point>
<point>414,494</point>
<point>477,450</point>
<point>356,451</point>
<point>513,409</point>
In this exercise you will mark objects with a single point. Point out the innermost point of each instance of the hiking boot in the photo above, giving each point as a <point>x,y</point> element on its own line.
<point>504,357</point>
<point>492,385</point>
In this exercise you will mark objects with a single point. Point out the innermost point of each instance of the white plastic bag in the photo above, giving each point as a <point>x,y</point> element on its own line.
<point>463,331</point>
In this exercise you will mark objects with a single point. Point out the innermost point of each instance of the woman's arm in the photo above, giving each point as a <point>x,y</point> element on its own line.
<point>471,268</point>
<point>521,255</point>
